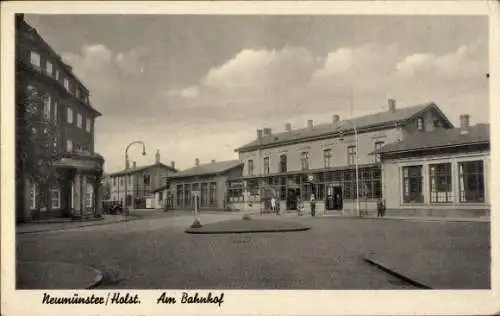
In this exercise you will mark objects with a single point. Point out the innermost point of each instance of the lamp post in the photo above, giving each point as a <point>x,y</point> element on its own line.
<point>126,167</point>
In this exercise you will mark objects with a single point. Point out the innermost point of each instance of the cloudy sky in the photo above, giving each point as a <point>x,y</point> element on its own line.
<point>200,86</point>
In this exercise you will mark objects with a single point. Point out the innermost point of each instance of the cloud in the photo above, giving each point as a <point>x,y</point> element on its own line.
<point>102,69</point>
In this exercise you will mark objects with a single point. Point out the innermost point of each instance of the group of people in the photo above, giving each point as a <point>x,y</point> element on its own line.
<point>300,206</point>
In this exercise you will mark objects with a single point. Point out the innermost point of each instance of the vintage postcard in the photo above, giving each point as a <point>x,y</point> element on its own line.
<point>270,158</point>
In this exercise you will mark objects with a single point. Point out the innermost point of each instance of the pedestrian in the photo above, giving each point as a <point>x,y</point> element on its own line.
<point>380,208</point>
<point>313,205</point>
<point>300,207</point>
<point>273,205</point>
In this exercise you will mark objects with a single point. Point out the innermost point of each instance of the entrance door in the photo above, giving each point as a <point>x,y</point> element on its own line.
<point>337,198</point>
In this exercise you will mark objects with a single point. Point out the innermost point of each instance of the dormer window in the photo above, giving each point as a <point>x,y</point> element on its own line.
<point>420,124</point>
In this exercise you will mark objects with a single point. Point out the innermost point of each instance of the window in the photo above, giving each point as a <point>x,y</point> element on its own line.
<point>69,115</point>
<point>283,163</point>
<point>66,84</point>
<point>327,157</point>
<point>88,125</point>
<point>304,160</point>
<point>266,165</point>
<point>412,184</point>
<point>79,120</point>
<point>49,68</point>
<point>130,179</point>
<point>121,181</point>
<point>35,59</point>
<point>437,123</point>
<point>420,124</point>
<point>114,180</point>
<point>33,189</point>
<point>213,193</point>
<point>471,181</point>
<point>440,183</point>
<point>147,179</point>
<point>351,155</point>
<point>204,194</point>
<point>77,92</point>
<point>179,195</point>
<point>378,147</point>
<point>46,105</point>
<point>187,195</point>
<point>58,74</point>
<point>250,167</point>
<point>55,196</point>
<point>69,145</point>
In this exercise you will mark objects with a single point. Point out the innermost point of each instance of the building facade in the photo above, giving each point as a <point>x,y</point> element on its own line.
<point>210,180</point>
<point>321,160</point>
<point>442,173</point>
<point>75,186</point>
<point>141,183</point>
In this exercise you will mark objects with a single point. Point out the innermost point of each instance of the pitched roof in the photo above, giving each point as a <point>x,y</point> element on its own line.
<point>380,119</point>
<point>209,168</point>
<point>138,169</point>
<point>441,138</point>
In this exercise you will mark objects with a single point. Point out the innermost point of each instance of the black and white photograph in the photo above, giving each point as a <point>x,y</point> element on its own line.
<point>196,154</point>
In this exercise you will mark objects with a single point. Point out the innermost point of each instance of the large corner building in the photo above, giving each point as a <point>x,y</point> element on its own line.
<point>75,190</point>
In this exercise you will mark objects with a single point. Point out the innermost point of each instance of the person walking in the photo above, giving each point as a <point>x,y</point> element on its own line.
<point>273,205</point>
<point>300,206</point>
<point>380,208</point>
<point>313,205</point>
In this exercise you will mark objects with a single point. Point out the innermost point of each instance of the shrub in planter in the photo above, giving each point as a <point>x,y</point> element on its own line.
<point>246,217</point>
<point>196,224</point>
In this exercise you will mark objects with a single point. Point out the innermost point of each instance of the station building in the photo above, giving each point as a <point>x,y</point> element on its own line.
<point>321,159</point>
<point>443,173</point>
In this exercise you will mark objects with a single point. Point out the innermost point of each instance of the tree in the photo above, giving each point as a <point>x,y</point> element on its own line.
<point>36,149</point>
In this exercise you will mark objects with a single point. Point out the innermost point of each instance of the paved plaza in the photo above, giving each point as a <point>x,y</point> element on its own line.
<point>154,252</point>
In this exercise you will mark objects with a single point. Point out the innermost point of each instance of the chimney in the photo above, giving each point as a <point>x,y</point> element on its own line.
<point>127,164</point>
<point>259,134</point>
<point>267,132</point>
<point>288,127</point>
<point>392,105</point>
<point>464,124</point>
<point>157,156</point>
<point>172,164</point>
<point>310,124</point>
<point>134,165</point>
<point>213,160</point>
<point>197,162</point>
<point>335,118</point>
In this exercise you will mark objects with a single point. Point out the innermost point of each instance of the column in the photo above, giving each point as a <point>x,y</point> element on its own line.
<point>455,180</point>
<point>425,183</point>
<point>97,197</point>
<point>84,195</point>
<point>77,196</point>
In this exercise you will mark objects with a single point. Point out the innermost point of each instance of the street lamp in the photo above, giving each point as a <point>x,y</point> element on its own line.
<point>126,167</point>
<point>357,166</point>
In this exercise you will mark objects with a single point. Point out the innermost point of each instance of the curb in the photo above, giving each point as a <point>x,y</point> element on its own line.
<point>91,284</point>
<point>396,274</point>
<point>219,232</point>
<point>61,221</point>
<point>76,226</point>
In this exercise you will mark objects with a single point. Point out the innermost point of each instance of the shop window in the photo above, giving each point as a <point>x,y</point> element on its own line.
<point>213,193</point>
<point>412,184</point>
<point>471,181</point>
<point>440,183</point>
<point>179,194</point>
<point>204,194</point>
